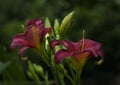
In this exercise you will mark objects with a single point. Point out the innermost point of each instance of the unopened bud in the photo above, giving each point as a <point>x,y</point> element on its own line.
<point>38,69</point>
<point>30,67</point>
<point>47,22</point>
<point>30,75</point>
<point>56,26</point>
<point>65,25</point>
<point>31,72</point>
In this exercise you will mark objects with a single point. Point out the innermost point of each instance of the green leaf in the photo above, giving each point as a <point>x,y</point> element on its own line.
<point>13,71</point>
<point>3,66</point>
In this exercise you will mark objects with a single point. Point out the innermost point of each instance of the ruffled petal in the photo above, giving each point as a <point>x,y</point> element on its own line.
<point>101,53</point>
<point>102,59</point>
<point>94,50</point>
<point>36,22</point>
<point>45,31</point>
<point>71,46</point>
<point>61,55</point>
<point>91,46</point>
<point>21,51</point>
<point>19,40</point>
<point>53,43</point>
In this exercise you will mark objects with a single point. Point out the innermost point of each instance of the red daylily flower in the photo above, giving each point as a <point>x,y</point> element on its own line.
<point>82,49</point>
<point>33,36</point>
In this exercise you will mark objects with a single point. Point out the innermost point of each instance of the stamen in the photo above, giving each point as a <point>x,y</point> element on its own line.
<point>100,61</point>
<point>23,58</point>
<point>83,42</point>
<point>23,27</point>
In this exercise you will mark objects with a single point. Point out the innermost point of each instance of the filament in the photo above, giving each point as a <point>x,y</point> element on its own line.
<point>83,41</point>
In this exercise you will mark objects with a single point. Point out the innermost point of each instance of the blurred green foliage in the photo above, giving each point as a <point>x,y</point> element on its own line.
<point>100,19</point>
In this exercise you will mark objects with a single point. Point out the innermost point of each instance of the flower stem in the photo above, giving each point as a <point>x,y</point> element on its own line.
<point>57,75</point>
<point>78,79</point>
<point>38,81</point>
<point>71,80</point>
<point>46,79</point>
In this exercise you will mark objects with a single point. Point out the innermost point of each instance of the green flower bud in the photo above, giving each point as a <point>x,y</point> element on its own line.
<point>48,25</point>
<point>38,69</point>
<point>65,25</point>
<point>30,67</point>
<point>30,75</point>
<point>57,28</point>
<point>31,72</point>
<point>47,22</point>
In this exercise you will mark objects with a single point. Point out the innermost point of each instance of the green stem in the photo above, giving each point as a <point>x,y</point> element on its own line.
<point>57,75</point>
<point>50,62</point>
<point>71,80</point>
<point>60,79</point>
<point>44,55</point>
<point>78,79</point>
<point>38,81</point>
<point>46,79</point>
<point>71,71</point>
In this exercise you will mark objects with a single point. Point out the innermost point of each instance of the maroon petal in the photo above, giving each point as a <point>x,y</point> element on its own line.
<point>19,40</point>
<point>36,22</point>
<point>69,45</point>
<point>21,51</point>
<point>101,53</point>
<point>45,31</point>
<point>61,54</point>
<point>102,59</point>
<point>94,50</point>
<point>53,43</point>
<point>91,46</point>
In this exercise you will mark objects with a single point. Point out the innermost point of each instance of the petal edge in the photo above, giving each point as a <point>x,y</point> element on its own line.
<point>61,54</point>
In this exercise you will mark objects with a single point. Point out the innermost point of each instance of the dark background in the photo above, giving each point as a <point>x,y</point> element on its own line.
<point>100,19</point>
